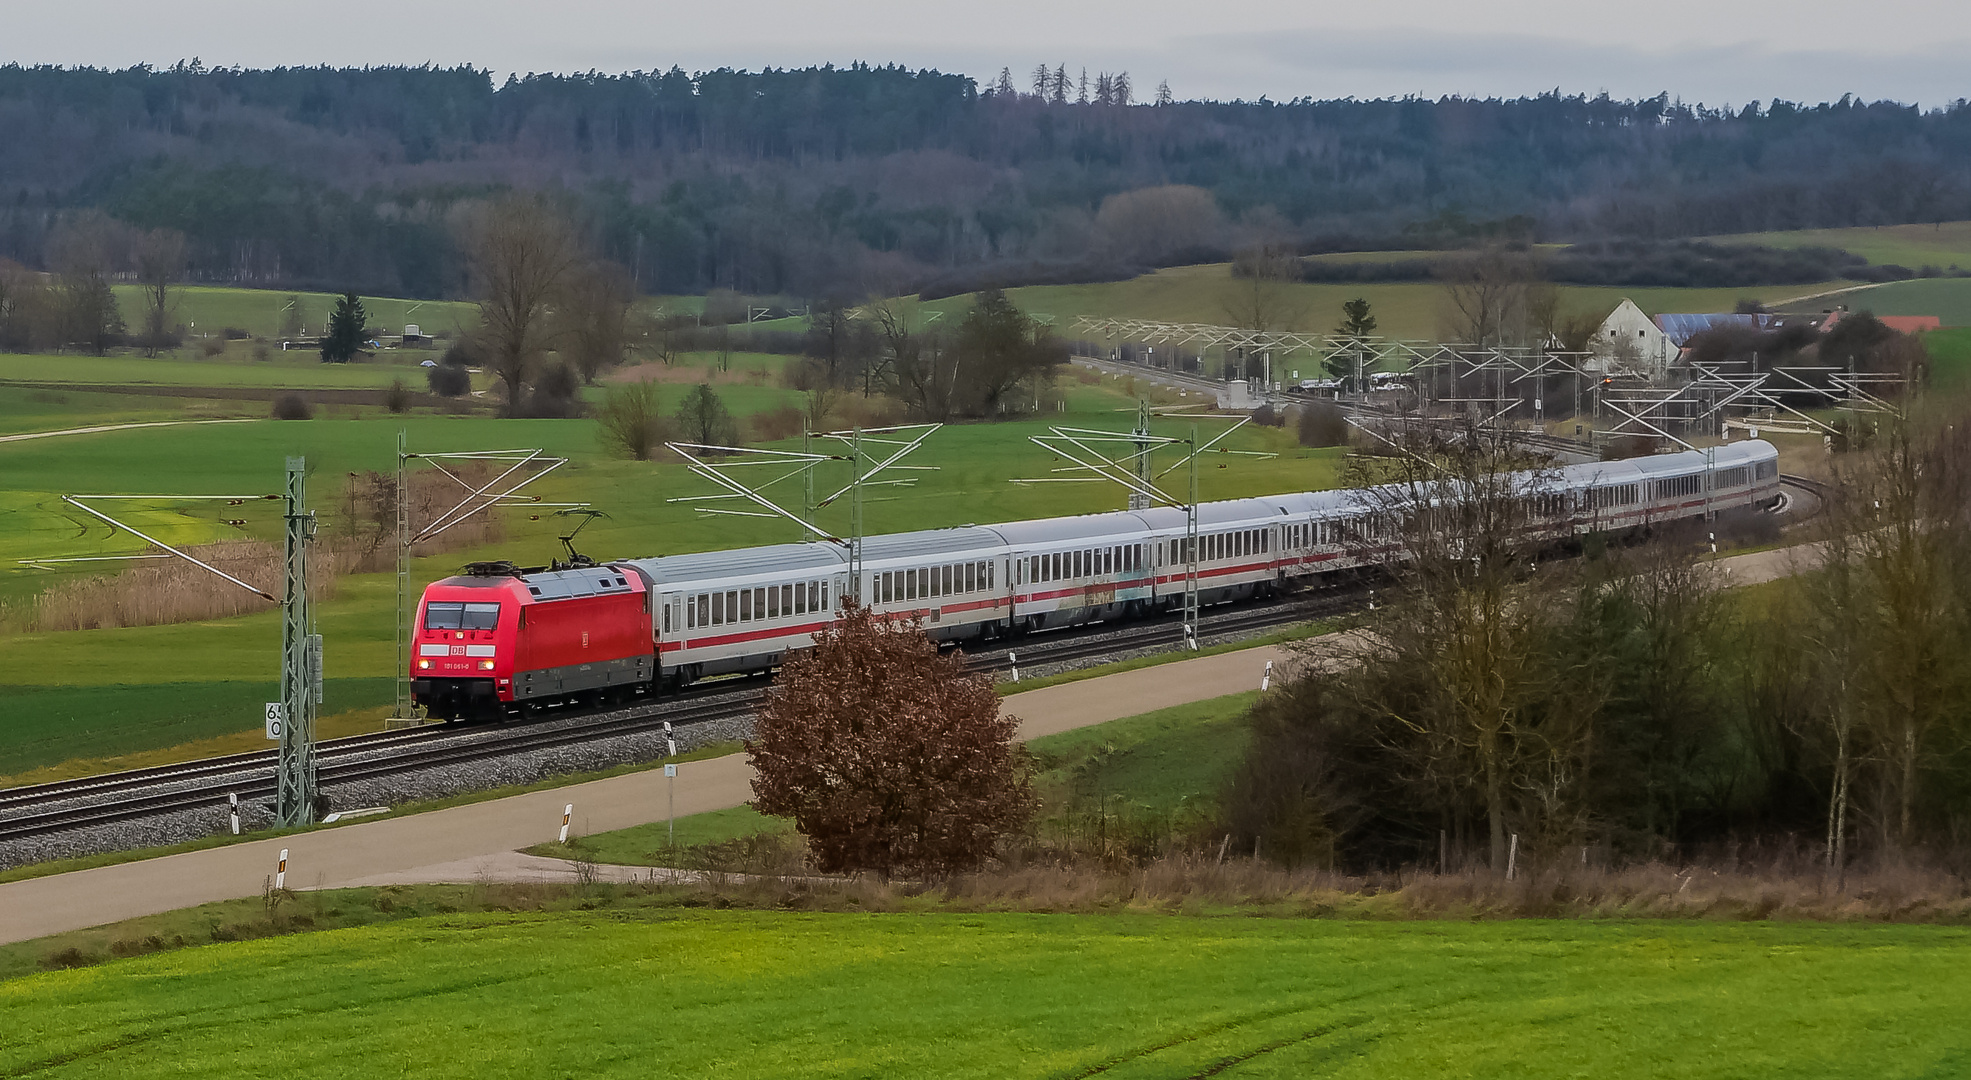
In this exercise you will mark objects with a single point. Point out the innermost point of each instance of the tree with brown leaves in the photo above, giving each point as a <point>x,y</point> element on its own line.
<point>888,756</point>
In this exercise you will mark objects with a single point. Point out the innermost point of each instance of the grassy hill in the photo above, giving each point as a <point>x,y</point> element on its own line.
<point>751,994</point>
<point>1942,244</point>
<point>1208,294</point>
<point>261,312</point>
<point>1947,298</point>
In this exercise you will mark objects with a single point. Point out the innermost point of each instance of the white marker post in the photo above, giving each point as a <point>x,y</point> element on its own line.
<point>567,812</point>
<point>671,819</point>
<point>1266,680</point>
<point>1014,659</point>
<point>233,807</point>
<point>671,784</point>
<point>280,872</point>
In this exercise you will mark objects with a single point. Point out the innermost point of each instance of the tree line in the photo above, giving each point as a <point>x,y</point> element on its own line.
<point>1625,706</point>
<point>760,181</point>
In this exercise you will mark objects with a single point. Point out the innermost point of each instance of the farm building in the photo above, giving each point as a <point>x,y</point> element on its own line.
<point>1628,341</point>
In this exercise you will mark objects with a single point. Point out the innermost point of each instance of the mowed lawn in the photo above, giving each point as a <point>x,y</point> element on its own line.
<point>752,994</point>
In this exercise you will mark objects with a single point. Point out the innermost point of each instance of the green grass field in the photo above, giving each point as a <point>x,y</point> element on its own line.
<point>1950,357</point>
<point>48,724</point>
<point>283,371</point>
<point>1208,293</point>
<point>754,994</point>
<point>1915,246</point>
<point>261,312</point>
<point>1947,298</point>
<point>976,464</point>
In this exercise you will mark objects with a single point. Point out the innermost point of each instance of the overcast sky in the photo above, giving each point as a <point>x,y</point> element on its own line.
<point>1714,51</point>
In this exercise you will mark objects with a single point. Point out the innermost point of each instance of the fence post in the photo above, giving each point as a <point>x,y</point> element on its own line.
<point>1512,858</point>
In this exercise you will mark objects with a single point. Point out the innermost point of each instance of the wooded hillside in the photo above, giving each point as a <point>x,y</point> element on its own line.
<point>884,179</point>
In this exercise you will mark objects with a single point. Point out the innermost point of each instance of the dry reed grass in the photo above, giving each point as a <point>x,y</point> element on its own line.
<point>160,592</point>
<point>1201,884</point>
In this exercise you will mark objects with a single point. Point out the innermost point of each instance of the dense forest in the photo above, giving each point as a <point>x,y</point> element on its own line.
<point>851,180</point>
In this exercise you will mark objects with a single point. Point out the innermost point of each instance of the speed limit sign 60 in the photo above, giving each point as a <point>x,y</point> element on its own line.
<point>275,720</point>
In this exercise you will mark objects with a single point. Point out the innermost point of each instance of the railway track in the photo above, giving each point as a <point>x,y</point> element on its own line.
<point>62,806</point>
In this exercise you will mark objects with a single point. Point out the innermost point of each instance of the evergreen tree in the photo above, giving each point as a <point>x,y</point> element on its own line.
<point>1356,321</point>
<point>1356,324</point>
<point>345,330</point>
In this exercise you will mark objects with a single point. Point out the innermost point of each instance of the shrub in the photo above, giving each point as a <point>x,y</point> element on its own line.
<point>887,754</point>
<point>1321,423</point>
<point>462,353</point>
<point>448,379</point>
<point>293,407</point>
<point>631,422</point>
<point>212,346</point>
<point>234,333</point>
<point>776,424</point>
<point>555,393</point>
<point>398,398</point>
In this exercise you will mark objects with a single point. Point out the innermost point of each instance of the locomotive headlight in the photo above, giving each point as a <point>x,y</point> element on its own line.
<point>485,665</point>
<point>424,664</point>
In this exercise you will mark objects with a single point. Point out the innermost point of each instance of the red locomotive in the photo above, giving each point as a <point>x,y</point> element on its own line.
<point>492,641</point>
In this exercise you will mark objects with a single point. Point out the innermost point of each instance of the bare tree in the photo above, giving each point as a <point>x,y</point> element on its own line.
<point>1459,662</point>
<point>1263,298</point>
<point>1894,612</point>
<point>522,252</point>
<point>1148,224</point>
<point>160,264</point>
<point>631,422</point>
<point>1488,296</point>
<point>702,418</point>
<point>593,313</point>
<point>926,372</point>
<point>85,252</point>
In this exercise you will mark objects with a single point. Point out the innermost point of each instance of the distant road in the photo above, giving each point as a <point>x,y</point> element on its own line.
<point>115,427</point>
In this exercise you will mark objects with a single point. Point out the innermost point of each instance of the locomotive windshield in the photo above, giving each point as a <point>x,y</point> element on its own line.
<point>439,616</point>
